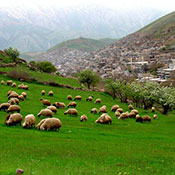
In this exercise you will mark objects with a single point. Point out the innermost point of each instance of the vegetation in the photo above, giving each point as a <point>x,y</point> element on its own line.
<point>12,52</point>
<point>46,66</point>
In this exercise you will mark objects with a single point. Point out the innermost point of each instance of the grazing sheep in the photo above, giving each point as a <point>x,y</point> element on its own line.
<point>78,97</point>
<point>153,109</point>
<point>130,107</point>
<point>20,86</point>
<point>120,110</point>
<point>123,116</point>
<point>132,115</point>
<point>9,82</point>
<point>13,101</point>
<point>45,102</point>
<point>13,108</point>
<point>139,118</point>
<point>98,100</point>
<point>71,111</point>
<point>72,104</point>
<point>50,123</point>
<point>94,110</point>
<point>52,108</point>
<point>103,109</point>
<point>29,121</point>
<point>104,119</point>
<point>40,123</point>
<point>117,114</point>
<point>2,82</point>
<point>12,94</point>
<point>89,98</point>
<point>24,94</point>
<point>69,97</point>
<point>43,92</point>
<point>50,93</point>
<point>14,85</point>
<point>4,106</point>
<point>25,87</point>
<point>9,92</point>
<point>59,105</point>
<point>45,112</point>
<point>13,119</point>
<point>83,118</point>
<point>155,116</point>
<point>114,108</point>
<point>21,97</point>
<point>146,118</point>
<point>135,111</point>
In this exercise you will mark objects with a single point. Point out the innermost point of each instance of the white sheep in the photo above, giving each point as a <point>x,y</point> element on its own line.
<point>45,112</point>
<point>29,121</point>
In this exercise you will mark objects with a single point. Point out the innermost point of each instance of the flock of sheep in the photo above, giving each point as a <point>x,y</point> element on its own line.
<point>51,123</point>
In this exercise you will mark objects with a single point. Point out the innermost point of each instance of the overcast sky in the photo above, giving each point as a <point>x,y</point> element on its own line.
<point>167,5</point>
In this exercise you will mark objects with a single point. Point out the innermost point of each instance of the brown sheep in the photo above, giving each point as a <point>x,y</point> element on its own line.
<point>98,100</point>
<point>52,108</point>
<point>29,121</point>
<point>139,118</point>
<point>43,92</point>
<point>25,87</point>
<point>104,119</point>
<point>146,118</point>
<point>20,86</point>
<point>123,116</point>
<point>103,109</point>
<point>135,111</point>
<point>2,82</point>
<point>130,107</point>
<point>153,109</point>
<point>89,98</point>
<point>50,93</point>
<point>46,113</point>
<point>83,118</point>
<point>24,94</point>
<point>13,119</point>
<point>78,97</point>
<point>71,111</point>
<point>59,105</point>
<point>40,123</point>
<point>155,116</point>
<point>4,106</point>
<point>94,110</point>
<point>13,94</point>
<point>117,114</point>
<point>13,101</point>
<point>132,115</point>
<point>9,92</point>
<point>14,85</point>
<point>69,97</point>
<point>114,108</point>
<point>21,97</point>
<point>45,102</point>
<point>9,82</point>
<point>72,104</point>
<point>120,110</point>
<point>13,108</point>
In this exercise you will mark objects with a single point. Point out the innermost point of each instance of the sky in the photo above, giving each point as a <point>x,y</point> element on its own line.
<point>167,5</point>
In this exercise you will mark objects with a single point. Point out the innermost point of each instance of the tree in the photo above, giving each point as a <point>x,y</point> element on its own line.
<point>89,78</point>
<point>46,66</point>
<point>110,85</point>
<point>12,52</point>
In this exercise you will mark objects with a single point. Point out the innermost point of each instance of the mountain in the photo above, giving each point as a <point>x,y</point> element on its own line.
<point>39,28</point>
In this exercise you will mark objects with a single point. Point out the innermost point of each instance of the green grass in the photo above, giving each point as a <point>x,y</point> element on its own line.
<point>86,148</point>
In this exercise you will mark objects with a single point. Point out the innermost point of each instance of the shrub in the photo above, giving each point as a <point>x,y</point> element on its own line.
<point>12,52</point>
<point>46,66</point>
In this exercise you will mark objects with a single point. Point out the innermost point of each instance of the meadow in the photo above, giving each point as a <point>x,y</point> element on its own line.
<point>85,148</point>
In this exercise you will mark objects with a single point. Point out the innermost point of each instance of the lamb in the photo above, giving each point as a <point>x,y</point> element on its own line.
<point>4,106</point>
<point>83,118</point>
<point>69,97</point>
<point>13,108</point>
<point>50,93</point>
<point>114,108</point>
<point>29,121</point>
<point>104,119</point>
<point>13,119</point>
<point>94,110</point>
<point>45,112</point>
<point>117,114</point>
<point>59,105</point>
<point>21,97</point>
<point>51,123</point>
<point>89,98</point>
<point>120,110</point>
<point>2,82</point>
<point>14,85</point>
<point>135,111</point>
<point>12,94</point>
<point>45,102</point>
<point>13,101</point>
<point>153,109</point>
<point>71,111</point>
<point>103,109</point>
<point>52,108</point>
<point>9,82</point>
<point>24,94</point>
<point>98,100</point>
<point>155,116</point>
<point>78,97</point>
<point>130,107</point>
<point>43,92</point>
<point>123,116</point>
<point>72,104</point>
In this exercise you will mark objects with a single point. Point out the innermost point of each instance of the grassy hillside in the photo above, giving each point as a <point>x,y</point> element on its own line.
<point>84,44</point>
<point>125,147</point>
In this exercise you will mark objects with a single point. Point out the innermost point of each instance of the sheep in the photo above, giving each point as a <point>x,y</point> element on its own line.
<point>139,118</point>
<point>9,92</point>
<point>69,97</point>
<point>14,85</point>
<point>51,123</point>
<point>71,111</point>
<point>155,116</point>
<point>45,102</point>
<point>21,97</point>
<point>24,94</point>
<point>20,86</point>
<point>13,101</point>
<point>78,97</point>
<point>94,110</point>
<point>52,108</point>
<point>12,94</point>
<point>98,100</point>
<point>146,118</point>
<point>4,106</point>
<point>135,111</point>
<point>50,93</point>
<point>59,105</point>
<point>29,121</point>
<point>45,112</point>
<point>123,116</point>
<point>2,82</point>
<point>89,98</point>
<point>40,123</point>
<point>114,108</point>
<point>25,87</point>
<point>120,110</point>
<point>153,109</point>
<point>83,118</point>
<point>72,104</point>
<point>13,119</point>
<point>132,115</point>
<point>9,82</point>
<point>117,114</point>
<point>104,119</point>
<point>13,108</point>
<point>103,109</point>
<point>43,92</point>
<point>130,107</point>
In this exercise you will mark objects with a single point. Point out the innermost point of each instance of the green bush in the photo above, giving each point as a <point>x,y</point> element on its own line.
<point>12,52</point>
<point>46,66</point>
